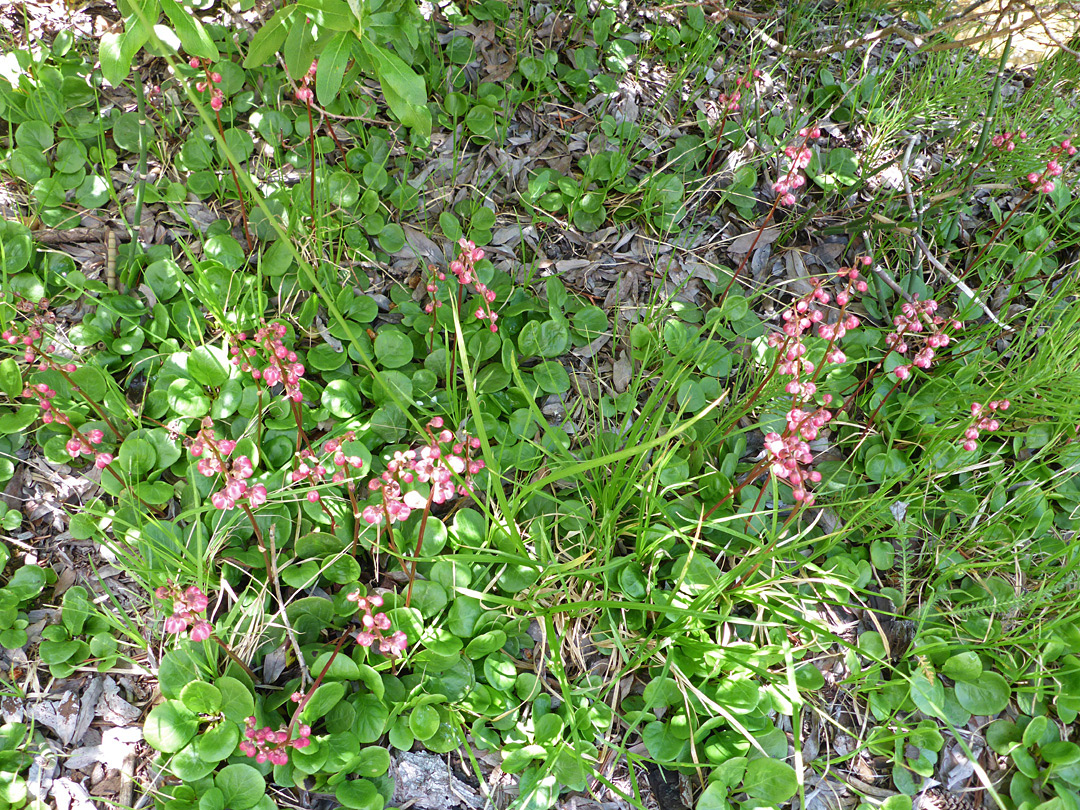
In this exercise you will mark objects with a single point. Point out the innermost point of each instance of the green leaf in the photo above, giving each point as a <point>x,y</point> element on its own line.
<point>27,582</point>
<point>928,693</point>
<point>217,742</point>
<point>76,604</point>
<point>299,50</point>
<point>964,666</point>
<point>424,722</point>
<point>359,794</point>
<point>242,785</point>
<point>771,781</point>
<point>11,382</point>
<point>114,65</point>
<point>201,697</point>
<point>209,365</point>
<point>186,398</point>
<point>404,90</point>
<point>269,38</point>
<point>714,797</point>
<point>236,700</point>
<point>987,696</point>
<point>393,349</point>
<point>19,420</point>
<point>191,32</point>
<point>323,700</point>
<point>373,761</point>
<point>169,726</point>
<point>332,63</point>
<point>546,339</point>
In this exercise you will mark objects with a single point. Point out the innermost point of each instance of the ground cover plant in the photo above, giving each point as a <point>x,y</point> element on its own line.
<point>660,407</point>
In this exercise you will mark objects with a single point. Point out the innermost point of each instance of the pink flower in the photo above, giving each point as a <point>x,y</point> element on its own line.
<point>175,624</point>
<point>305,95</point>
<point>200,631</point>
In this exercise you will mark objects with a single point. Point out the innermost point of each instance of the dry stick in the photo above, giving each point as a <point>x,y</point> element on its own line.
<point>959,282</point>
<point>1046,30</point>
<point>883,275</point>
<point>955,279</point>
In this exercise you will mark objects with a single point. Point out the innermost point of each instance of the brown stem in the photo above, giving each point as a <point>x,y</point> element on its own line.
<point>311,138</point>
<point>75,386</point>
<point>233,657</point>
<point>419,546</point>
<point>271,579</point>
<point>719,136</point>
<point>307,696</point>
<point>239,193</point>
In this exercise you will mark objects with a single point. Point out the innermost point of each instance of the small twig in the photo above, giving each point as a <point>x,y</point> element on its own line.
<point>1046,30</point>
<point>915,212</point>
<point>963,287</point>
<point>883,274</point>
<point>930,257</point>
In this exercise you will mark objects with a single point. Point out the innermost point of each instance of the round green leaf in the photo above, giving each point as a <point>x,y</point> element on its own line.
<point>209,365</point>
<point>129,133</point>
<point>322,701</point>
<point>242,786</point>
<point>342,399</point>
<point>373,761</point>
<point>201,697</point>
<point>186,398</point>
<point>169,726</point>
<point>359,794</point>
<point>236,701</point>
<point>223,248</point>
<point>393,348</point>
<point>218,742</point>
<point>771,781</point>
<point>987,696</point>
<point>424,722</point>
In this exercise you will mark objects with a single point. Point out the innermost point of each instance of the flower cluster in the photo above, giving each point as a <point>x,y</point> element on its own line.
<point>1066,148</point>
<point>79,442</point>
<point>314,471</point>
<point>464,267</point>
<point>1005,140</point>
<point>212,463</point>
<point>281,366</point>
<point>1043,182</point>
<point>267,745</point>
<point>304,93</point>
<point>42,320</point>
<point>435,464</point>
<point>983,420</point>
<point>374,625</point>
<point>798,159</point>
<point>187,605</point>
<point>213,79</point>
<point>919,328</point>
<point>789,454</point>
<point>730,102</point>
